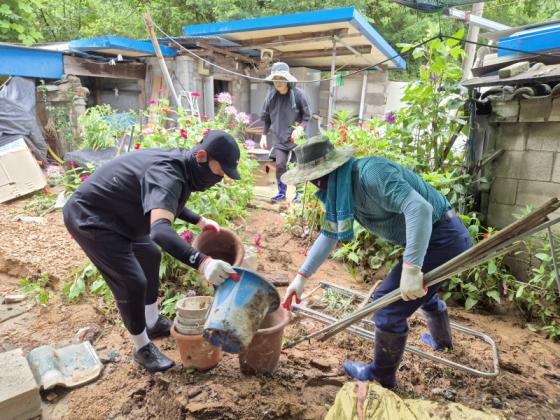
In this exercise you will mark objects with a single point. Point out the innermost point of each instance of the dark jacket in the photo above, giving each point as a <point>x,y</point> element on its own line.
<point>280,113</point>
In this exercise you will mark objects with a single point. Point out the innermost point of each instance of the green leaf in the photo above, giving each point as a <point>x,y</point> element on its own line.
<point>494,294</point>
<point>543,257</point>
<point>470,302</point>
<point>492,269</point>
<point>78,287</point>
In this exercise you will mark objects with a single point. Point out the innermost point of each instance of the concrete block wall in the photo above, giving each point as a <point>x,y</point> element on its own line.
<point>348,96</point>
<point>528,172</point>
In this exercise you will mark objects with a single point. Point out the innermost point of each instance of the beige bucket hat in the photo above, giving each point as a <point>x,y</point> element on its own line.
<point>281,70</point>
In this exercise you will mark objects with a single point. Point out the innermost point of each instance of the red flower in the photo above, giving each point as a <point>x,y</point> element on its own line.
<point>183,133</point>
<point>204,117</point>
<point>205,132</point>
<point>72,164</point>
<point>187,235</point>
<point>486,235</point>
<point>166,110</point>
<point>84,177</point>
<point>136,146</point>
<point>232,125</point>
<point>195,94</point>
<point>152,102</point>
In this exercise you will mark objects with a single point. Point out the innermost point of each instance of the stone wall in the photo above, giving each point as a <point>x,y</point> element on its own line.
<point>528,172</point>
<point>348,96</point>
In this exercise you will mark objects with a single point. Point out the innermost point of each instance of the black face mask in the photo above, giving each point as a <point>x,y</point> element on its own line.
<point>322,182</point>
<point>201,176</point>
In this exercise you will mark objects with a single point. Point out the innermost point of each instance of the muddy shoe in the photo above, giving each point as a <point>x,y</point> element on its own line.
<point>152,359</point>
<point>161,328</point>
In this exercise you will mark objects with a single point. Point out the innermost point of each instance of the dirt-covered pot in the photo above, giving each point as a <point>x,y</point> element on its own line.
<point>225,245</point>
<point>263,354</point>
<point>196,352</point>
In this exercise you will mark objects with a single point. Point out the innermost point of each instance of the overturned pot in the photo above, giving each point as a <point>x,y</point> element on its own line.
<point>224,245</point>
<point>191,314</point>
<point>263,353</point>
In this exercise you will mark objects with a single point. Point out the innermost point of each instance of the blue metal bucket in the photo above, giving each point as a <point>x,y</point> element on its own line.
<point>238,310</point>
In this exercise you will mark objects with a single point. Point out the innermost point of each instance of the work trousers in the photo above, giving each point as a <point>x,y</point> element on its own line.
<point>130,267</point>
<point>282,157</point>
<point>449,238</point>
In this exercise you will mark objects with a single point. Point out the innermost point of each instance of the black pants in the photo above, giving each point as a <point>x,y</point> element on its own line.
<point>282,162</point>
<point>130,268</point>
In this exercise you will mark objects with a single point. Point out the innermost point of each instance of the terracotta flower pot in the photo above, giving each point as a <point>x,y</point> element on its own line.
<point>226,245</point>
<point>196,352</point>
<point>262,355</point>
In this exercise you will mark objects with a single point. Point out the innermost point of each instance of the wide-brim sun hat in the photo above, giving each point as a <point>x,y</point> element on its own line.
<point>316,158</point>
<point>281,71</point>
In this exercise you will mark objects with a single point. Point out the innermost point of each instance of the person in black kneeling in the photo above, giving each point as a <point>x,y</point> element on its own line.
<point>127,207</point>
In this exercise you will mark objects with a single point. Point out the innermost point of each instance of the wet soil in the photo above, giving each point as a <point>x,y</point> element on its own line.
<point>308,376</point>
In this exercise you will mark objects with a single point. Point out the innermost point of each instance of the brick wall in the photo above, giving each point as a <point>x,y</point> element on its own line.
<point>528,172</point>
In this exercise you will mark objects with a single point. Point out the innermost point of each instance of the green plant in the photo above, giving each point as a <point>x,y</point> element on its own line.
<point>41,204</point>
<point>97,131</point>
<point>36,288</point>
<point>74,176</point>
<point>87,279</point>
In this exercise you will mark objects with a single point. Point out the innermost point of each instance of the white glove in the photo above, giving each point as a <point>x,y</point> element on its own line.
<point>412,285</point>
<point>208,224</point>
<point>263,143</point>
<point>294,289</point>
<point>216,271</point>
<point>297,133</point>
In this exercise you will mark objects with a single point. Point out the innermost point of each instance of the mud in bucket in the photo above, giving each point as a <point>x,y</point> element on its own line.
<point>238,310</point>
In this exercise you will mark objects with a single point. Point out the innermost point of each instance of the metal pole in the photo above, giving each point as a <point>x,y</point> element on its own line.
<point>161,60</point>
<point>363,97</point>
<point>554,261</point>
<point>333,80</point>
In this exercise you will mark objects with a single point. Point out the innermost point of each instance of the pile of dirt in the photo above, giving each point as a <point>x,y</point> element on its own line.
<point>308,376</point>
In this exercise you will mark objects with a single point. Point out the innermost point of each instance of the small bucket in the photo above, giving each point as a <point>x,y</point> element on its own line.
<point>224,245</point>
<point>191,314</point>
<point>195,351</point>
<point>263,354</point>
<point>238,310</point>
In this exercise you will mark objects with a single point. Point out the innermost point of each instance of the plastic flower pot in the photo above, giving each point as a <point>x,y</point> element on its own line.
<point>263,354</point>
<point>196,352</point>
<point>224,245</point>
<point>239,309</point>
<point>191,314</point>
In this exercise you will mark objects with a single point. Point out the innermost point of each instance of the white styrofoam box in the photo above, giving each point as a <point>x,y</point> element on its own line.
<point>20,173</point>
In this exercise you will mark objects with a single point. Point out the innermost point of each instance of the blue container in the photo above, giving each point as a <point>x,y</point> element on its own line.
<point>238,310</point>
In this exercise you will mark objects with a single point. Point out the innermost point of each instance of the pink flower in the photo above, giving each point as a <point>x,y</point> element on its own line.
<point>224,98</point>
<point>204,117</point>
<point>72,164</point>
<point>183,133</point>
<point>205,132</point>
<point>152,102</point>
<point>195,94</point>
<point>230,110</point>
<point>136,146</point>
<point>242,118</point>
<point>84,177</point>
<point>166,110</point>
<point>232,125</point>
<point>249,145</point>
<point>391,118</point>
<point>187,235</point>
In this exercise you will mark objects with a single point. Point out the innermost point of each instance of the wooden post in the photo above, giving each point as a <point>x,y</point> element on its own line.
<point>333,80</point>
<point>363,96</point>
<point>472,36</point>
<point>166,76</point>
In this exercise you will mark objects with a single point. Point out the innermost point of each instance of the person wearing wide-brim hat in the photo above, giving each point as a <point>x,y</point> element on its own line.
<point>285,114</point>
<point>399,206</point>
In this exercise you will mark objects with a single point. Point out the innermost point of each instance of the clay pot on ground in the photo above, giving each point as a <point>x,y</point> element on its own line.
<point>263,353</point>
<point>196,352</point>
<point>191,314</point>
<point>225,245</point>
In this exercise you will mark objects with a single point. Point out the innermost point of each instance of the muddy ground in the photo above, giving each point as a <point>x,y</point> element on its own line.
<point>308,376</point>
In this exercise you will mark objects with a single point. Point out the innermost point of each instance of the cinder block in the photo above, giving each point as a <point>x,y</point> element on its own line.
<point>511,136</point>
<point>544,136</point>
<point>504,111</point>
<point>19,393</point>
<point>555,111</point>
<point>375,99</point>
<point>503,191</point>
<point>377,77</point>
<point>556,169</point>
<point>536,166</point>
<point>534,110</point>
<point>501,215</point>
<point>376,88</point>
<point>508,164</point>
<point>535,193</point>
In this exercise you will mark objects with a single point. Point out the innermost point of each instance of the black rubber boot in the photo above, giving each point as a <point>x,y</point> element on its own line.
<point>152,359</point>
<point>162,328</point>
<point>387,355</point>
<point>439,337</point>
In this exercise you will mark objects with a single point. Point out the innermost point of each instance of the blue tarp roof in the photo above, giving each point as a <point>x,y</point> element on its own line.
<point>30,62</point>
<point>359,33</point>
<point>119,45</point>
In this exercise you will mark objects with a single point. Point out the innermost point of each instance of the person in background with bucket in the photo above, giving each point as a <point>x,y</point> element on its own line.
<point>397,205</point>
<point>285,107</point>
<point>127,206</point>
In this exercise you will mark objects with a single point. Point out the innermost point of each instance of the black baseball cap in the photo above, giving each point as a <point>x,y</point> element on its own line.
<point>222,147</point>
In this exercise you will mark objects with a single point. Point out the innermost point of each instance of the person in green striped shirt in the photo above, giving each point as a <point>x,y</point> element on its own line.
<point>399,206</point>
